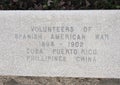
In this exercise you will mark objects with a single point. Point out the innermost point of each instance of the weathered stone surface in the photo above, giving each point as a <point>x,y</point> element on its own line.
<point>110,82</point>
<point>7,80</point>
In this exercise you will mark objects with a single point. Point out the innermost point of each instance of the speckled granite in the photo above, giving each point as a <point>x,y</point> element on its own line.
<point>7,80</point>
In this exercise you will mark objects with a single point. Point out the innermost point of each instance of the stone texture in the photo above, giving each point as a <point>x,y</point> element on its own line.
<point>10,80</point>
<point>110,82</point>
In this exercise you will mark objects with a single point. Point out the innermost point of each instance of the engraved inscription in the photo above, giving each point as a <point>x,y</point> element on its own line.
<point>60,43</point>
